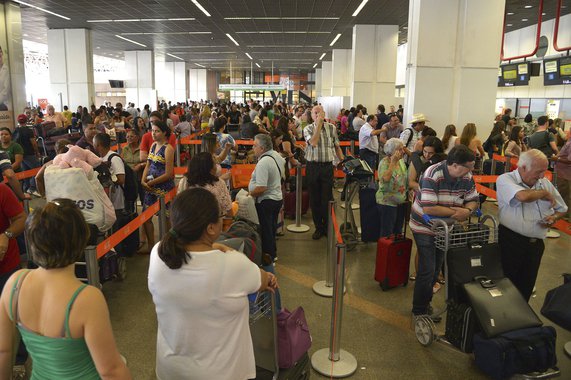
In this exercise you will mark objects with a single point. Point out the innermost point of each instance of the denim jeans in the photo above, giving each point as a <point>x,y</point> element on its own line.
<point>430,261</point>
<point>392,219</point>
<point>30,162</point>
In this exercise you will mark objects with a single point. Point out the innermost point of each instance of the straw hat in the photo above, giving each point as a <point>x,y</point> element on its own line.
<point>418,117</point>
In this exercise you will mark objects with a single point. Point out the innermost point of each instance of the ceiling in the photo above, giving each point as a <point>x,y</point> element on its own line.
<point>295,39</point>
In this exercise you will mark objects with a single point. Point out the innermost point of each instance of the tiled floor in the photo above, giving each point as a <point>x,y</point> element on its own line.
<point>375,324</point>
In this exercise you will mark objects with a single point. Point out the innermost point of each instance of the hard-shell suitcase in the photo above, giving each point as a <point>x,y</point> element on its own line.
<point>130,244</point>
<point>500,307</point>
<point>461,325</point>
<point>469,262</point>
<point>370,218</point>
<point>393,261</point>
<point>289,204</point>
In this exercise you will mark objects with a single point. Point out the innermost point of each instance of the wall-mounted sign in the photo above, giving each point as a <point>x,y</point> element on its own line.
<point>552,108</point>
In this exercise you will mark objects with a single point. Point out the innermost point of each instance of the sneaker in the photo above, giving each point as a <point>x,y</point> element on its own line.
<point>36,194</point>
<point>317,235</point>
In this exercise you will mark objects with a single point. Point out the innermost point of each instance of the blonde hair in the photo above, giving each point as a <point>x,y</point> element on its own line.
<point>468,134</point>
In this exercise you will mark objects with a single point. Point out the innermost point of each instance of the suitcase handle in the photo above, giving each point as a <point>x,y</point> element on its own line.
<point>428,218</point>
<point>485,282</point>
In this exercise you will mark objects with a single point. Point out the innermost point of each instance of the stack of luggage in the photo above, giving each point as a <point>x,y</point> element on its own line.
<point>488,316</point>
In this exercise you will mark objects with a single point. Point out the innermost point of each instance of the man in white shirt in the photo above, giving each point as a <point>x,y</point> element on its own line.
<point>528,204</point>
<point>102,144</point>
<point>369,141</point>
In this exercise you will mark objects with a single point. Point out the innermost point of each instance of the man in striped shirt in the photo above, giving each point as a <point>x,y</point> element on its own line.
<point>447,190</point>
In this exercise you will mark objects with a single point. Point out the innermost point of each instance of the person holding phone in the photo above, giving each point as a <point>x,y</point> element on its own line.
<point>528,204</point>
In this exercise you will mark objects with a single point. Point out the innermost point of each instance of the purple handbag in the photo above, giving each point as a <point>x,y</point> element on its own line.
<point>294,338</point>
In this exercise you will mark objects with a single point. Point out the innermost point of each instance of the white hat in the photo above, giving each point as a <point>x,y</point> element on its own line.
<point>418,117</point>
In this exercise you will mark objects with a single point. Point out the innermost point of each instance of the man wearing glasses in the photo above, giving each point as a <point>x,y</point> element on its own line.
<point>528,204</point>
<point>447,190</point>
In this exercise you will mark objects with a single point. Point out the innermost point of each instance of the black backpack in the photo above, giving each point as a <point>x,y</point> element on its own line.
<point>130,187</point>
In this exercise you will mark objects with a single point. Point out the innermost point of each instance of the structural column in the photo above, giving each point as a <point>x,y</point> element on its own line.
<point>140,78</point>
<point>70,55</point>
<point>341,72</point>
<point>452,66</point>
<point>318,82</point>
<point>374,62</point>
<point>326,74</point>
<point>202,84</point>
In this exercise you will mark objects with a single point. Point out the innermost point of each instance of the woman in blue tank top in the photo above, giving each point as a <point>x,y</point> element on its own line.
<point>63,322</point>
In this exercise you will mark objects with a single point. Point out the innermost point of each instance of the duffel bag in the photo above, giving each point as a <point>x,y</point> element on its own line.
<point>557,304</point>
<point>516,352</point>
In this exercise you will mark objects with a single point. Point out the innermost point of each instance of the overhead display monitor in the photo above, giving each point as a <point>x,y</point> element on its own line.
<point>557,71</point>
<point>516,74</point>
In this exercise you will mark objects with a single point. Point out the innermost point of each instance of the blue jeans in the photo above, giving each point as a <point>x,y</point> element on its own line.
<point>430,261</point>
<point>30,162</point>
<point>392,219</point>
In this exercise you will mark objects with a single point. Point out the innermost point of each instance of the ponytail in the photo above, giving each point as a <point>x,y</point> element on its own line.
<point>172,251</point>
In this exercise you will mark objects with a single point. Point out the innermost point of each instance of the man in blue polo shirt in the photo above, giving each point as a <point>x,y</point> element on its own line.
<point>447,190</point>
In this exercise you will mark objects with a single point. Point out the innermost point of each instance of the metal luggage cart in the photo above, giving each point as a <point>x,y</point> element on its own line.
<point>448,235</point>
<point>358,175</point>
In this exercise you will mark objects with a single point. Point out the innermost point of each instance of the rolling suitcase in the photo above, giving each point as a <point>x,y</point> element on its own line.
<point>393,260</point>
<point>300,371</point>
<point>130,244</point>
<point>461,325</point>
<point>370,218</point>
<point>289,204</point>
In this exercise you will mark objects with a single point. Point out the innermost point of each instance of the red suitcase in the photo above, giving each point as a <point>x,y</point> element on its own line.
<point>289,203</point>
<point>393,261</point>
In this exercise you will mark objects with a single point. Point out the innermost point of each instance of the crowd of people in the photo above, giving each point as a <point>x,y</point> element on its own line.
<point>419,174</point>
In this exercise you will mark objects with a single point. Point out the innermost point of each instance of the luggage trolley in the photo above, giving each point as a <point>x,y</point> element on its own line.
<point>448,235</point>
<point>358,175</point>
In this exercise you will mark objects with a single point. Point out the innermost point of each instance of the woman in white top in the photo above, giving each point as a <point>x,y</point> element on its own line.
<point>449,138</point>
<point>200,293</point>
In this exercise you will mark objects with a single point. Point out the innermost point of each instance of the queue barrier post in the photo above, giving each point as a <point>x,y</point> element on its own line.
<point>298,227</point>
<point>333,361</point>
<point>26,257</point>
<point>92,266</point>
<point>325,288</point>
<point>162,217</point>
<point>178,150</point>
<point>352,147</point>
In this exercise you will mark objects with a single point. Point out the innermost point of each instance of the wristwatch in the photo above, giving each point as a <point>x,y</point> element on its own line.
<point>10,234</point>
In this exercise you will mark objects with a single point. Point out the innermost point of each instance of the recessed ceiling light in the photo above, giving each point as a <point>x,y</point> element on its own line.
<point>543,14</point>
<point>322,55</point>
<point>314,66</point>
<point>359,8</point>
<point>232,38</point>
<point>97,47</point>
<point>195,2</point>
<point>524,19</point>
<point>249,56</point>
<point>174,56</point>
<point>25,35</point>
<point>131,41</point>
<point>199,65</point>
<point>528,6</point>
<point>258,65</point>
<point>335,39</point>
<point>41,9</point>
<point>510,13</point>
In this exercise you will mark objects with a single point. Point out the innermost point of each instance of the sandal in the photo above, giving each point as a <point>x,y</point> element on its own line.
<point>412,277</point>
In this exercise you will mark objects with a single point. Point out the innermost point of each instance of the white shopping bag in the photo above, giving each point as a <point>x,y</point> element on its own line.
<point>85,190</point>
<point>247,207</point>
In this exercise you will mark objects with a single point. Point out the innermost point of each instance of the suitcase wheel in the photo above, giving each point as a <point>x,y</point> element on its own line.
<point>424,330</point>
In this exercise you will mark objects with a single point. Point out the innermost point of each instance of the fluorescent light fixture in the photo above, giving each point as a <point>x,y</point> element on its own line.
<point>510,13</point>
<point>232,38</point>
<point>199,65</point>
<point>41,9</point>
<point>282,32</point>
<point>524,19</point>
<point>258,66</point>
<point>182,19</point>
<point>314,66</point>
<point>130,20</point>
<point>528,6</point>
<point>143,20</point>
<point>285,46</point>
<point>249,56</point>
<point>162,33</point>
<point>201,7</point>
<point>131,41</point>
<point>174,56</point>
<point>360,7</point>
<point>335,39</point>
<point>281,18</point>
<point>322,55</point>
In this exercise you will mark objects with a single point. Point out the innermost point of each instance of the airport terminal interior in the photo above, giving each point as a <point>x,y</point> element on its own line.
<point>444,61</point>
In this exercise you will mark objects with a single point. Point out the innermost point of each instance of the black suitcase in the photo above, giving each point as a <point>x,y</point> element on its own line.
<point>461,325</point>
<point>370,218</point>
<point>500,307</point>
<point>300,371</point>
<point>518,352</point>
<point>469,262</point>
<point>129,246</point>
